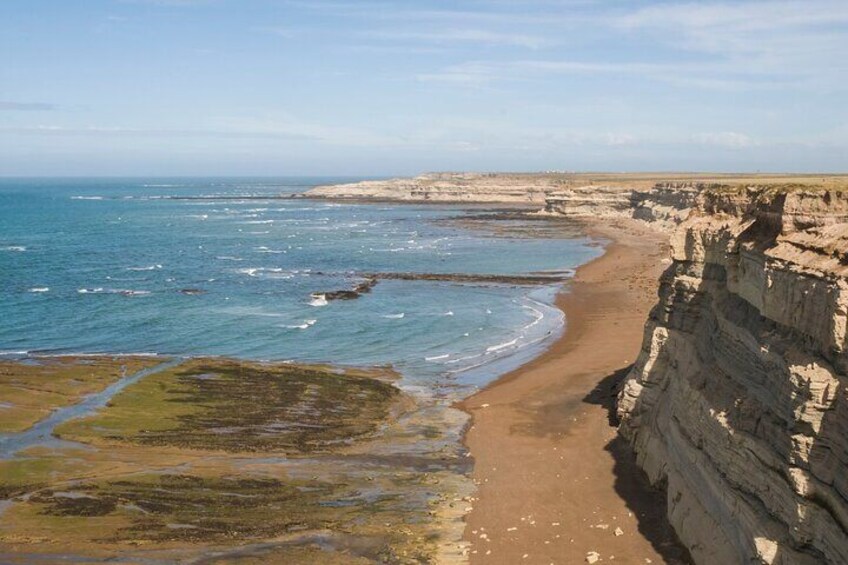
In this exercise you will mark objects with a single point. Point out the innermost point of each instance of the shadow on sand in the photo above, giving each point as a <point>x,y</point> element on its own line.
<point>647,503</point>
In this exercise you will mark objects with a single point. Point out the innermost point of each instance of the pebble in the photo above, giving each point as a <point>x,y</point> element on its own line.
<point>593,557</point>
<point>619,532</point>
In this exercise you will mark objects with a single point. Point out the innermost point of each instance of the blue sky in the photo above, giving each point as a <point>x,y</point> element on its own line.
<point>379,87</point>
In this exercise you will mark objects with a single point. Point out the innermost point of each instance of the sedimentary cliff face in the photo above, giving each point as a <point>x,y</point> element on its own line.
<point>448,187</point>
<point>738,401</point>
<point>664,205</point>
<point>737,404</point>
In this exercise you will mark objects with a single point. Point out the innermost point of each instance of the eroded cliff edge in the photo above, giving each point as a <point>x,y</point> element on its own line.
<point>737,402</point>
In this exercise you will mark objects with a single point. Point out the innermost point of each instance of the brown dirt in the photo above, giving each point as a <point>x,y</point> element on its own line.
<point>555,481</point>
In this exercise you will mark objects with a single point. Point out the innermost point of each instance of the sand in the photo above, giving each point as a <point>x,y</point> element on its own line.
<point>555,481</point>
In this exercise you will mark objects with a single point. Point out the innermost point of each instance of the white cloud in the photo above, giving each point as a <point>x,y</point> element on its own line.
<point>479,36</point>
<point>726,139</point>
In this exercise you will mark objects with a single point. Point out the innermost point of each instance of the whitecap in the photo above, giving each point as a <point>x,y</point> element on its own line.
<point>318,300</point>
<point>500,346</point>
<point>228,258</point>
<point>394,316</point>
<point>121,291</point>
<point>149,268</point>
<point>40,289</point>
<point>538,316</point>
<point>437,357</point>
<point>16,248</point>
<point>306,324</point>
<point>270,272</point>
<point>264,249</point>
<point>448,313</point>
<point>13,353</point>
<point>86,198</point>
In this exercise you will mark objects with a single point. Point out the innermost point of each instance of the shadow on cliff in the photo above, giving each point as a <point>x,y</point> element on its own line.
<point>647,503</point>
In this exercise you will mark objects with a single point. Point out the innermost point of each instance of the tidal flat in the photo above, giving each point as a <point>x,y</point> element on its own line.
<point>31,389</point>
<point>213,459</point>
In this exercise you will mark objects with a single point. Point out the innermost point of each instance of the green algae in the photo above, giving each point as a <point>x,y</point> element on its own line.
<point>246,461</point>
<point>30,391</point>
<point>195,508</point>
<point>170,510</point>
<point>241,407</point>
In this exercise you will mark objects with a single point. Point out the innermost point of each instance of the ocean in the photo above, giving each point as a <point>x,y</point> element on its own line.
<point>208,266</point>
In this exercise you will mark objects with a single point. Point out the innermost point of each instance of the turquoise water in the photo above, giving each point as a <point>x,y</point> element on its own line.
<point>102,266</point>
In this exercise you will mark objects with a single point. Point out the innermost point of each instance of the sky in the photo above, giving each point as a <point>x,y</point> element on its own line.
<point>399,87</point>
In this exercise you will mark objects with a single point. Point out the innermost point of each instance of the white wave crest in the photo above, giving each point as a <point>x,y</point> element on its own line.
<point>500,346</point>
<point>121,291</point>
<point>437,357</point>
<point>306,324</point>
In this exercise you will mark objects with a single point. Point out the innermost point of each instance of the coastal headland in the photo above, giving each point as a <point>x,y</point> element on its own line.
<point>693,410</point>
<point>734,406</point>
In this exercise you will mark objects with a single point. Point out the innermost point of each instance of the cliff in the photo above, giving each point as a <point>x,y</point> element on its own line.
<point>448,188</point>
<point>649,196</point>
<point>663,205</point>
<point>737,403</point>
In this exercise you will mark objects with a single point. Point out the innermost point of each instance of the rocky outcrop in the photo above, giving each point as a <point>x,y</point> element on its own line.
<point>737,403</point>
<point>596,201</point>
<point>663,205</point>
<point>448,188</point>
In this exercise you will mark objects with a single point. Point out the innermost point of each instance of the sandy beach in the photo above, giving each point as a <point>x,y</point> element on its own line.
<point>555,481</point>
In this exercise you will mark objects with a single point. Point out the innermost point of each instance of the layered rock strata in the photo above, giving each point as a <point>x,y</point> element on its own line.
<point>447,188</point>
<point>664,205</point>
<point>737,402</point>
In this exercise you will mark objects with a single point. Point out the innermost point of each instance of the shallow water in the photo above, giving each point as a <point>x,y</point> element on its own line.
<point>111,265</point>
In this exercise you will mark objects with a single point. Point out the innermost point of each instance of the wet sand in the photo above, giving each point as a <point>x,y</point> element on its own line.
<point>554,481</point>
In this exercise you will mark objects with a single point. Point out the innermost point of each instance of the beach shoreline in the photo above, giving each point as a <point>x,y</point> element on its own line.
<point>555,483</point>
